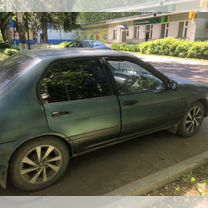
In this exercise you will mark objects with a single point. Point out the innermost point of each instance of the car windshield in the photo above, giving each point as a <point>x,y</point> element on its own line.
<point>12,67</point>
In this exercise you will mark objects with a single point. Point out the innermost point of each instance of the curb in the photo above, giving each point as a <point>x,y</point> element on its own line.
<point>145,185</point>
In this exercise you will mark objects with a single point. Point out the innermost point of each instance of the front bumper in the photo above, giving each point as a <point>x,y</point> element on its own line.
<point>6,151</point>
<point>3,175</point>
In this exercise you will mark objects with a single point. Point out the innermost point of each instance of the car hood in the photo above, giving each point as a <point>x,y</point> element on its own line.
<point>183,81</point>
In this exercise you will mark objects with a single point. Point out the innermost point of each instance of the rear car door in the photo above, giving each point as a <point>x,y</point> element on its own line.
<point>80,103</point>
<point>146,103</point>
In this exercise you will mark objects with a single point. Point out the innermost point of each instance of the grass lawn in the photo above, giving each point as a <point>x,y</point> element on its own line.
<point>194,183</point>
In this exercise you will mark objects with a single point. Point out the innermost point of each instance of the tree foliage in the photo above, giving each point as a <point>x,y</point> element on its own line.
<point>37,21</point>
<point>95,17</point>
<point>4,23</point>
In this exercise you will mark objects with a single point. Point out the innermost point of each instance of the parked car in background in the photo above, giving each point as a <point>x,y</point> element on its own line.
<point>86,44</point>
<point>58,104</point>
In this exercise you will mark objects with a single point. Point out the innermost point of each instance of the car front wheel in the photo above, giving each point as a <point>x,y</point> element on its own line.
<point>191,122</point>
<point>38,164</point>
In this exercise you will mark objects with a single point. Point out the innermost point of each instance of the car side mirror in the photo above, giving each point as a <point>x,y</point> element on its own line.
<point>172,85</point>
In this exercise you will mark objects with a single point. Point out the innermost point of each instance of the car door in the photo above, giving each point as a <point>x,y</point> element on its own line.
<point>146,103</point>
<point>79,102</point>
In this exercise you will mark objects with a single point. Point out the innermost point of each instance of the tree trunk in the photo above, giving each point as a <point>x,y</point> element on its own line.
<point>28,39</point>
<point>44,21</point>
<point>3,32</point>
<point>21,31</point>
<point>45,33</point>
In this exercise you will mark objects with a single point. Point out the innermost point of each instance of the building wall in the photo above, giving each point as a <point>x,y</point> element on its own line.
<point>192,30</point>
<point>142,33</point>
<point>156,31</point>
<point>197,29</point>
<point>202,27</point>
<point>173,29</point>
<point>99,33</point>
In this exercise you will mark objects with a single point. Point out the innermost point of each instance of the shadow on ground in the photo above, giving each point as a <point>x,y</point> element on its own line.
<point>194,72</point>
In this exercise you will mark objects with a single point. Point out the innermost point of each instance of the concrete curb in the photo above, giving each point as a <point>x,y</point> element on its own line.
<point>160,178</point>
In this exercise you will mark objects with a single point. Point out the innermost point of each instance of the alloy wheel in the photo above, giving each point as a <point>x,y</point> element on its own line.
<point>193,119</point>
<point>41,164</point>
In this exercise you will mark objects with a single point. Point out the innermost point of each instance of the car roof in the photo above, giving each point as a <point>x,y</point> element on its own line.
<point>44,54</point>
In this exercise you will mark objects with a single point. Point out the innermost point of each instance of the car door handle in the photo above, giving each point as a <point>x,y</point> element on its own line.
<point>60,113</point>
<point>130,102</point>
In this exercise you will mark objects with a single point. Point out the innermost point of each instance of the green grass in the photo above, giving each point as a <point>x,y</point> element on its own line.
<point>194,183</point>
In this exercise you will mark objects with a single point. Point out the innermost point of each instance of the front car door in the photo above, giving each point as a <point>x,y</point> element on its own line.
<point>146,103</point>
<point>80,103</point>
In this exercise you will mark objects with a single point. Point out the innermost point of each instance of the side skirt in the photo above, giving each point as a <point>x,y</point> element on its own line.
<point>117,141</point>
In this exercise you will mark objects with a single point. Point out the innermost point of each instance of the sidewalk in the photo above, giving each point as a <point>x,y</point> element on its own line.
<point>167,59</point>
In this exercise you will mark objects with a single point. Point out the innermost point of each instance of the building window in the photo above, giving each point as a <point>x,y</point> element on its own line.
<point>167,29</point>
<point>164,30</point>
<point>138,29</point>
<point>127,32</point>
<point>186,29</point>
<point>183,29</point>
<point>114,34</point>
<point>151,31</point>
<point>136,32</point>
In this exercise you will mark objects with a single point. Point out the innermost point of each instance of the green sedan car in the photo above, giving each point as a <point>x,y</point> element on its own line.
<point>58,104</point>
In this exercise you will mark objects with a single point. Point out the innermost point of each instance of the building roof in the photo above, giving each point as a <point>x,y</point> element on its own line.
<point>132,18</point>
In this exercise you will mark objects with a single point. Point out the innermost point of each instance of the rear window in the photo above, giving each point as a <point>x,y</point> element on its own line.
<point>12,67</point>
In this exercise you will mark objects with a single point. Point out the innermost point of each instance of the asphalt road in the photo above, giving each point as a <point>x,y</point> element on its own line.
<point>104,170</point>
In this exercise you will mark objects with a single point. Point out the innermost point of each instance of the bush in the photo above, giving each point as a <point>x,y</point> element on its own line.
<point>4,45</point>
<point>126,47</point>
<point>168,47</point>
<point>10,51</point>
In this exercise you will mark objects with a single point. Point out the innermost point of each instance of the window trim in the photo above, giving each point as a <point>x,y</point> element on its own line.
<point>50,65</point>
<point>185,28</point>
<point>146,66</point>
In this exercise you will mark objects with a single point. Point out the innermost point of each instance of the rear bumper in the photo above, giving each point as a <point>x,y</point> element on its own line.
<point>6,151</point>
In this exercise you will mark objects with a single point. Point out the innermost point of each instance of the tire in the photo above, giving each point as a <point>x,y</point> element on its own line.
<point>39,163</point>
<point>192,120</point>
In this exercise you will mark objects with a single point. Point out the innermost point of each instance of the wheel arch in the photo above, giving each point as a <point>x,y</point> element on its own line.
<point>67,141</point>
<point>205,104</point>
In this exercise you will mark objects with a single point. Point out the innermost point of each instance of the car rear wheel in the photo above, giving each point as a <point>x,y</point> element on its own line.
<point>38,164</point>
<point>191,122</point>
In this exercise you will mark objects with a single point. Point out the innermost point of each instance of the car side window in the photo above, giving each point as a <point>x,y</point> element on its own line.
<point>74,80</point>
<point>133,78</point>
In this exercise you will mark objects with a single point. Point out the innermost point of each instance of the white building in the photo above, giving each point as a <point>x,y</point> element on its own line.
<point>135,29</point>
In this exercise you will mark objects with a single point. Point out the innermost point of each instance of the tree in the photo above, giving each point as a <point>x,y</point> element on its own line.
<point>20,25</point>
<point>67,20</point>
<point>5,17</point>
<point>26,22</point>
<point>58,20</point>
